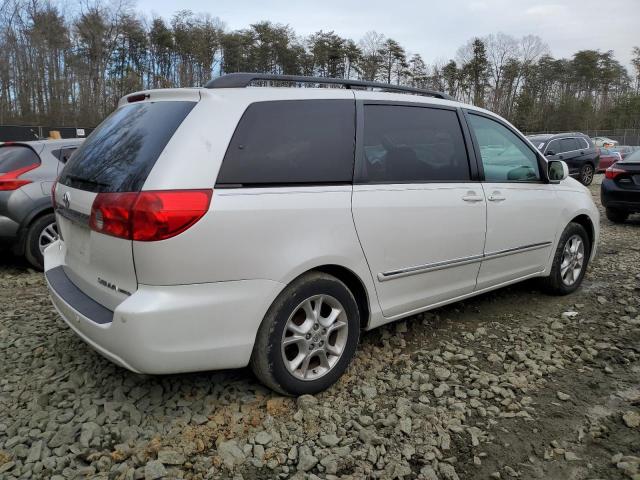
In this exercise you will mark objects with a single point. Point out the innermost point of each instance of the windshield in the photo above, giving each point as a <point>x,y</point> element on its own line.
<point>120,153</point>
<point>633,157</point>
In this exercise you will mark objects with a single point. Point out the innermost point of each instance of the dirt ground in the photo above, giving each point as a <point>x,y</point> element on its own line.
<point>511,384</point>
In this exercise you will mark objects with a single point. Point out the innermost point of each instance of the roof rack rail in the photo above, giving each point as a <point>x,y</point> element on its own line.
<point>241,80</point>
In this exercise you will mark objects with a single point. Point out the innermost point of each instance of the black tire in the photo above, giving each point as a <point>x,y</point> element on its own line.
<point>586,174</point>
<point>617,216</point>
<point>267,360</point>
<point>554,283</point>
<point>32,242</point>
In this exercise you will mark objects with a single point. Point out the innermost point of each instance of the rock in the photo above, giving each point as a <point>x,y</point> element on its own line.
<point>305,402</point>
<point>631,419</point>
<point>442,373</point>
<point>263,438</point>
<point>448,471</point>
<point>230,453</point>
<point>171,457</point>
<point>563,396</point>
<point>330,440</point>
<point>369,392</point>
<point>88,432</point>
<point>153,470</point>
<point>34,452</point>
<point>570,457</point>
<point>493,358</point>
<point>306,460</point>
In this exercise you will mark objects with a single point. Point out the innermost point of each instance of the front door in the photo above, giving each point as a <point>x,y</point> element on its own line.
<point>419,216</point>
<point>522,209</point>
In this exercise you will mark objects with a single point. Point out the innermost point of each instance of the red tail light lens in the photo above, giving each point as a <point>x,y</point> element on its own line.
<point>613,172</point>
<point>148,216</point>
<point>10,180</point>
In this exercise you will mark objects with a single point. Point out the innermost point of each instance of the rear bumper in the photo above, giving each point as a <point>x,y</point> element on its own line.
<point>612,196</point>
<point>168,329</point>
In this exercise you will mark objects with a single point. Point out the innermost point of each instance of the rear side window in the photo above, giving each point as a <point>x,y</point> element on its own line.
<point>407,144</point>
<point>16,157</point>
<point>120,153</point>
<point>568,144</point>
<point>64,153</point>
<point>292,142</point>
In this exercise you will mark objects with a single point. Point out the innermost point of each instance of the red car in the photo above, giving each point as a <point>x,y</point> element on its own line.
<point>607,158</point>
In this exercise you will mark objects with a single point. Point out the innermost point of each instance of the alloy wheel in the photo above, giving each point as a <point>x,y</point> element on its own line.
<point>314,337</point>
<point>587,174</point>
<point>572,260</point>
<point>48,235</point>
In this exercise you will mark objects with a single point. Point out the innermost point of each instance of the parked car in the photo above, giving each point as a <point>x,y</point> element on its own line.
<point>218,227</point>
<point>607,158</point>
<point>620,189</point>
<point>576,149</point>
<point>27,172</point>
<point>604,142</point>
<point>625,150</point>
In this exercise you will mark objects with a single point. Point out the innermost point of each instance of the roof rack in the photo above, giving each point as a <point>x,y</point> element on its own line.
<point>241,80</point>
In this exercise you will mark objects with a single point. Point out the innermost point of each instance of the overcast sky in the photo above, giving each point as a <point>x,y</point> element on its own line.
<point>436,29</point>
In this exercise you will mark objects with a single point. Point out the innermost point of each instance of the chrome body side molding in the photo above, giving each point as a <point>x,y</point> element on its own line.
<point>432,267</point>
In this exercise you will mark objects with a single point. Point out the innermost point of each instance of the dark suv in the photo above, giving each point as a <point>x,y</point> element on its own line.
<point>575,148</point>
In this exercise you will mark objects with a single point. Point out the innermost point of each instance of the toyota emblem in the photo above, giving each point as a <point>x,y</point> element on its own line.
<point>66,199</point>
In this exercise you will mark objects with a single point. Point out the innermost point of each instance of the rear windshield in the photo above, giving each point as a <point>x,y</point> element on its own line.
<point>120,153</point>
<point>15,157</point>
<point>633,158</point>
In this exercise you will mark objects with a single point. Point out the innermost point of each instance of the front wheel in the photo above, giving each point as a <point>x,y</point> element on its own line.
<point>586,174</point>
<point>42,233</point>
<point>308,337</point>
<point>569,262</point>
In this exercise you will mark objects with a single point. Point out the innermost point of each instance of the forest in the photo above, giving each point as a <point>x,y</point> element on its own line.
<point>68,64</point>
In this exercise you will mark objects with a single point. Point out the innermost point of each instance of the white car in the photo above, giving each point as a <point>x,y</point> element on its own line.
<point>219,227</point>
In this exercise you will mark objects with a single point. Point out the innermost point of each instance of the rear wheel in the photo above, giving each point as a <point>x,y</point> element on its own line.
<point>308,337</point>
<point>42,233</point>
<point>569,262</point>
<point>616,216</point>
<point>586,174</point>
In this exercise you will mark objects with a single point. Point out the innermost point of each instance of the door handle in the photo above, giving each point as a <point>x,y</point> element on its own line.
<point>472,197</point>
<point>496,197</point>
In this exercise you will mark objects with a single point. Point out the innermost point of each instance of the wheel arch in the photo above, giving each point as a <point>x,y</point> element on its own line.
<point>353,282</point>
<point>34,215</point>
<point>586,222</point>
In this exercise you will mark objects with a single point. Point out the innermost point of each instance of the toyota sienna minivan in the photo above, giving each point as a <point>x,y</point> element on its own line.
<point>234,225</point>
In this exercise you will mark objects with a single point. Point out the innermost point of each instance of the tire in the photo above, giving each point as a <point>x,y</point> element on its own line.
<point>616,216</point>
<point>557,283</point>
<point>273,364</point>
<point>39,231</point>
<point>586,174</point>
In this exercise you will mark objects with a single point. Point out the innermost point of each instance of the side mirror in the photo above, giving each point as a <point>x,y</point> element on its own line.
<point>558,171</point>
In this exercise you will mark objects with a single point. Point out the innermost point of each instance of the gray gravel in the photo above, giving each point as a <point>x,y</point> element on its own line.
<point>513,384</point>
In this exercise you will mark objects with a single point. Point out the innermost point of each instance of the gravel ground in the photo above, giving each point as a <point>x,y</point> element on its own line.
<point>512,384</point>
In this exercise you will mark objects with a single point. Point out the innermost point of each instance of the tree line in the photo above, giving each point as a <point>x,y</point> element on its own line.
<point>65,64</point>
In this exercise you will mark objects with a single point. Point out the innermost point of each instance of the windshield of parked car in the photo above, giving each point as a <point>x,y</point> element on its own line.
<point>16,157</point>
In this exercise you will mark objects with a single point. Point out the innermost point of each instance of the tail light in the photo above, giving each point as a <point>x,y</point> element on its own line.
<point>612,172</point>
<point>10,180</point>
<point>148,216</point>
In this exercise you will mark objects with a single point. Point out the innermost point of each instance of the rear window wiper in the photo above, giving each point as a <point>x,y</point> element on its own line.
<point>79,179</point>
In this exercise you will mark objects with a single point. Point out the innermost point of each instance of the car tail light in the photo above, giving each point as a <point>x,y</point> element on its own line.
<point>612,172</point>
<point>148,216</point>
<point>10,180</point>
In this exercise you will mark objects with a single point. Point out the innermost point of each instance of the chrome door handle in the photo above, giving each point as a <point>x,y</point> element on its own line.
<point>496,197</point>
<point>472,197</point>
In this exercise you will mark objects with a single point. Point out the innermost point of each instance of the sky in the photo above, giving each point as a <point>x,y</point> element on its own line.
<point>437,28</point>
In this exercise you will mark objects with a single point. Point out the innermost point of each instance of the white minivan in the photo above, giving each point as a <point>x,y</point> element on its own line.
<point>237,225</point>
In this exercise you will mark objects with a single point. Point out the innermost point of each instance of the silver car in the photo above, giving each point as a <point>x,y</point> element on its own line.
<point>27,173</point>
